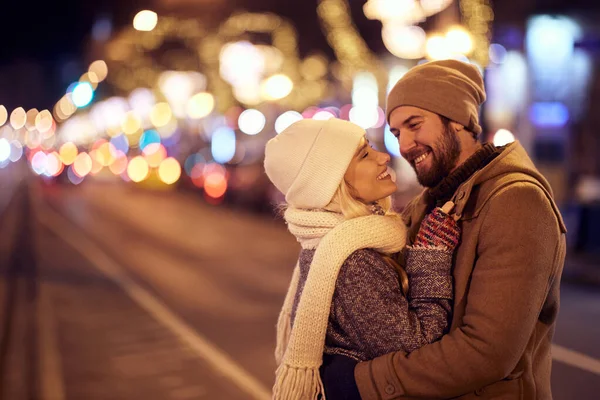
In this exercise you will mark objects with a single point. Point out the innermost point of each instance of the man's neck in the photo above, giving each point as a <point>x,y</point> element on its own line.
<point>468,148</point>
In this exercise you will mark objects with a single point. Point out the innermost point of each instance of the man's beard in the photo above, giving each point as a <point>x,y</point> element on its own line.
<point>443,160</point>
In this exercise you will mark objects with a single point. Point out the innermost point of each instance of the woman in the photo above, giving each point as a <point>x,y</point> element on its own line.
<point>348,300</point>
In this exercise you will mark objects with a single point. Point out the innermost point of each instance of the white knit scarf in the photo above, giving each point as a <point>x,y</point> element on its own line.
<point>299,351</point>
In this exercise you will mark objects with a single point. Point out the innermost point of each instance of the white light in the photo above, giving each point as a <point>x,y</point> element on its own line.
<point>497,53</point>
<point>82,94</point>
<point>434,6</point>
<point>145,20</point>
<point>177,87</point>
<point>551,39</point>
<point>323,115</point>
<point>286,119</point>
<point>396,73</point>
<point>223,145</point>
<point>251,122</point>
<point>365,117</point>
<point>405,11</point>
<point>503,137</point>
<point>241,63</point>
<point>141,101</point>
<point>277,87</point>
<point>437,48</point>
<point>391,143</point>
<point>404,41</point>
<point>248,93</point>
<point>16,151</point>
<point>365,90</point>
<point>4,150</point>
<point>459,40</point>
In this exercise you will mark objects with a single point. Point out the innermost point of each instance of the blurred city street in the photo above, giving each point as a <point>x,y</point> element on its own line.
<point>158,295</point>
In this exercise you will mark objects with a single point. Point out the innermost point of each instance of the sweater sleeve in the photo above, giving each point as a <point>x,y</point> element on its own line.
<point>371,310</point>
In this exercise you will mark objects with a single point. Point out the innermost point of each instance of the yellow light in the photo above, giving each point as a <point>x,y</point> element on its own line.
<point>169,171</point>
<point>277,87</point>
<point>459,41</point>
<point>18,118</point>
<point>314,67</point>
<point>154,154</point>
<point>160,115</point>
<point>43,121</point>
<point>54,165</point>
<point>100,69</point>
<point>137,170</point>
<point>131,124</point>
<point>96,165</point>
<point>68,153</point>
<point>82,165</point>
<point>145,20</point>
<point>200,105</point>
<point>67,108</point>
<point>30,117</point>
<point>91,78</point>
<point>437,48</point>
<point>120,164</point>
<point>104,154</point>
<point>3,115</point>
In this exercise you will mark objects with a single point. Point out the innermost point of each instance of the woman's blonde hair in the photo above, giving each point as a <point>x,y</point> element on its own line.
<point>346,199</point>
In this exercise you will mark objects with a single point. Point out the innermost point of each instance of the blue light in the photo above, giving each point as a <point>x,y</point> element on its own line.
<point>83,93</point>
<point>121,143</point>
<point>223,145</point>
<point>391,143</point>
<point>548,114</point>
<point>148,137</point>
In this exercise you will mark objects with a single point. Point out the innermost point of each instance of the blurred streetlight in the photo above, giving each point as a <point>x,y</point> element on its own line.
<point>145,20</point>
<point>277,87</point>
<point>404,41</point>
<point>200,105</point>
<point>18,118</point>
<point>251,122</point>
<point>459,40</point>
<point>437,48</point>
<point>3,115</point>
<point>503,137</point>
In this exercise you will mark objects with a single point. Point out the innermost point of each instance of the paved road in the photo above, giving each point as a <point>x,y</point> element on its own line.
<point>156,295</point>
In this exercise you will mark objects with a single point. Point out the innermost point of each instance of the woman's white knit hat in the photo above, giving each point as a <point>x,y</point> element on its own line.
<point>308,160</point>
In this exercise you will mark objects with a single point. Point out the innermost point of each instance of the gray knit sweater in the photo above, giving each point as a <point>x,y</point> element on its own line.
<point>369,314</point>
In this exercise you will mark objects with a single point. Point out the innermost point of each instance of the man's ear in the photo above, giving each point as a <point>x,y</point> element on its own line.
<point>456,127</point>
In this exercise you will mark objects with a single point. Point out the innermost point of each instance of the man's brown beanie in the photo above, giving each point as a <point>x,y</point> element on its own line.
<point>450,88</point>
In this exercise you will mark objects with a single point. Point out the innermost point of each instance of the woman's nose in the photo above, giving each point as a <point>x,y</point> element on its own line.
<point>384,158</point>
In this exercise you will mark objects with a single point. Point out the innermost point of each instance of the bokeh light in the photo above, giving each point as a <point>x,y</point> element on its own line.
<point>5,150</point>
<point>138,170</point>
<point>149,137</point>
<point>251,121</point>
<point>82,165</point>
<point>161,115</point>
<point>44,121</point>
<point>119,166</point>
<point>120,143</point>
<point>277,87</point>
<point>215,185</point>
<point>16,151</point>
<point>154,154</point>
<point>145,20</point>
<point>459,40</point>
<point>503,137</point>
<point>200,105</point>
<point>286,119</point>
<point>3,115</point>
<point>169,170</point>
<point>18,118</point>
<point>100,69</point>
<point>82,95</point>
<point>223,145</point>
<point>68,153</point>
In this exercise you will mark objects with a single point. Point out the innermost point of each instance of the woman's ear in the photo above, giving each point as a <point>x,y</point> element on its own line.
<point>456,127</point>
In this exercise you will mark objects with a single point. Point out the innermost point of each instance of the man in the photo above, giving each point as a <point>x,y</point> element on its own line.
<point>507,268</point>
